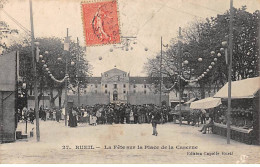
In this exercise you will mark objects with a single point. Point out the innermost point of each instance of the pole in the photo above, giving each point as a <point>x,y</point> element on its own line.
<point>2,116</point>
<point>77,65</point>
<point>35,77</point>
<point>180,67</point>
<point>160,101</point>
<point>66,83</point>
<point>43,97</point>
<point>230,69</point>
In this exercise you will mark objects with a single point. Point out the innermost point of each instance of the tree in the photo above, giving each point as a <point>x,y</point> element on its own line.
<point>53,55</point>
<point>5,30</point>
<point>200,38</point>
<point>169,69</point>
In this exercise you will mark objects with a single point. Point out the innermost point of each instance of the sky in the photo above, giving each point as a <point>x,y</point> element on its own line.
<point>147,20</point>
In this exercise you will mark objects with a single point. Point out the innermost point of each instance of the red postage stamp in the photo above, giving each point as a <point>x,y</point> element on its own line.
<point>100,22</point>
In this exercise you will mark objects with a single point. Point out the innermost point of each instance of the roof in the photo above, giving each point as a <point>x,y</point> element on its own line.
<point>93,80</point>
<point>115,70</point>
<point>246,88</point>
<point>147,80</point>
<point>206,103</point>
<point>183,107</point>
<point>192,100</point>
<point>140,80</point>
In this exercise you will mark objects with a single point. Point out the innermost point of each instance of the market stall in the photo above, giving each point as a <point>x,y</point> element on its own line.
<point>206,103</point>
<point>186,112</point>
<point>244,112</point>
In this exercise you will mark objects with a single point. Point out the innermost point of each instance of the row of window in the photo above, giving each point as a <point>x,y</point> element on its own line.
<point>115,86</point>
<point>106,75</point>
<point>125,91</point>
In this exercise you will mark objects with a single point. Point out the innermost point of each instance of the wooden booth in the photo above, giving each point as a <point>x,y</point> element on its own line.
<point>245,115</point>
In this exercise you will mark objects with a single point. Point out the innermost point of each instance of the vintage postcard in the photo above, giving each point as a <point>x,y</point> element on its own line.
<point>129,82</point>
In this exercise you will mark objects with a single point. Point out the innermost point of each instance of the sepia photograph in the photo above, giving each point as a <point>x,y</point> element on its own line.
<point>129,82</point>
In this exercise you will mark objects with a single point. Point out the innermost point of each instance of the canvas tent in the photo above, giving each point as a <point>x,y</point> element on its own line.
<point>246,88</point>
<point>206,103</point>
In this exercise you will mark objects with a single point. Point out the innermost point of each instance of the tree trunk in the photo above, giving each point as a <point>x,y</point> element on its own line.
<point>60,94</point>
<point>202,91</point>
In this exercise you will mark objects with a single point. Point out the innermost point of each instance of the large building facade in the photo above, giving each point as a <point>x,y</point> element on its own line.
<point>117,86</point>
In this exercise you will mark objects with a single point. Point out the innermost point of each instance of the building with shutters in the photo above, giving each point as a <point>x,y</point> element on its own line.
<point>117,86</point>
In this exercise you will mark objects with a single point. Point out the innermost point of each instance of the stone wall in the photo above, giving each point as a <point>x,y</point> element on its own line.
<point>90,99</point>
<point>139,98</point>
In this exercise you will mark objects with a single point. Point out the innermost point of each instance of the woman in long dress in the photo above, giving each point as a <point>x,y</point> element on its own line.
<point>131,117</point>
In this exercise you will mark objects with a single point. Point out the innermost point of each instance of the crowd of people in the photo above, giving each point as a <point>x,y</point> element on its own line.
<point>119,113</point>
<point>116,114</point>
<point>25,114</point>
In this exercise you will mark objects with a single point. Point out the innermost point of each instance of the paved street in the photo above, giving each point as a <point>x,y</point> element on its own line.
<point>55,137</point>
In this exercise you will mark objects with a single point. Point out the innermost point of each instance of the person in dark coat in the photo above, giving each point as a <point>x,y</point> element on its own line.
<point>58,115</point>
<point>74,120</point>
<point>156,116</point>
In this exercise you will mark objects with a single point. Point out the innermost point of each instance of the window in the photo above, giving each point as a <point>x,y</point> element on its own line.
<point>105,85</point>
<point>134,85</point>
<point>115,86</point>
<point>144,91</point>
<point>85,92</point>
<point>105,91</point>
<point>95,85</point>
<point>124,91</point>
<point>144,85</point>
<point>124,85</point>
